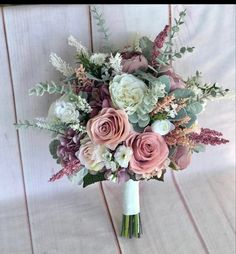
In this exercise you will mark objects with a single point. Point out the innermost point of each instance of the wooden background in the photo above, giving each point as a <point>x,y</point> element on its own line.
<point>192,212</point>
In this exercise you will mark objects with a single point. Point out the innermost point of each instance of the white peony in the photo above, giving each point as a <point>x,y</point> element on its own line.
<point>127,92</point>
<point>162,127</point>
<point>123,155</point>
<point>98,58</point>
<point>64,111</point>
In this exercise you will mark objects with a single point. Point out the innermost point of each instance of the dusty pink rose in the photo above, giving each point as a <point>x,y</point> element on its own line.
<point>175,80</point>
<point>133,61</point>
<point>110,127</point>
<point>182,157</point>
<point>149,152</point>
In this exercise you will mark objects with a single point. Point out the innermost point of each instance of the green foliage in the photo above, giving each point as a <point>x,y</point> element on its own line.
<point>91,68</point>
<point>205,91</point>
<point>102,28</point>
<point>168,55</point>
<point>78,177</point>
<point>146,46</point>
<point>43,125</point>
<point>199,148</point>
<point>194,107</point>
<point>52,88</point>
<point>182,93</point>
<point>53,148</point>
<point>90,179</point>
<point>164,79</point>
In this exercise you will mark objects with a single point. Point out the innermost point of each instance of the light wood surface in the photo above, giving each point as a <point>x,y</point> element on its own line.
<point>63,217</point>
<point>191,212</point>
<point>14,230</point>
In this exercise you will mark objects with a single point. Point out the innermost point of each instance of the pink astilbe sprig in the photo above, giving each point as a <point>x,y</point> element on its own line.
<point>208,137</point>
<point>158,44</point>
<point>69,169</point>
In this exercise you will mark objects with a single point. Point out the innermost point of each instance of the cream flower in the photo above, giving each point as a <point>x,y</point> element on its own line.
<point>127,92</point>
<point>90,156</point>
<point>123,155</point>
<point>98,58</point>
<point>162,126</point>
<point>64,111</point>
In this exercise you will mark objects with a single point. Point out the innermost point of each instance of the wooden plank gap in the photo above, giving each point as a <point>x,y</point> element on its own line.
<point>110,217</point>
<point>184,202</point>
<point>170,24</point>
<point>90,27</point>
<point>17,132</point>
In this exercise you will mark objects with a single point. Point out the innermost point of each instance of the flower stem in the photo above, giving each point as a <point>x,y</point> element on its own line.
<point>131,226</point>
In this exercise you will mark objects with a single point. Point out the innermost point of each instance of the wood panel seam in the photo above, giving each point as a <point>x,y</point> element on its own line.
<point>110,217</point>
<point>17,132</point>
<point>192,220</point>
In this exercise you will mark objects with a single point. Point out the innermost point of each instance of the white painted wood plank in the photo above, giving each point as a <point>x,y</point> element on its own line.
<point>64,218</point>
<point>124,21</point>
<point>209,183</point>
<point>14,230</point>
<point>167,227</point>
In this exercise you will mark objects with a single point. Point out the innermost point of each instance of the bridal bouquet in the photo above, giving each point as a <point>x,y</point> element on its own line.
<point>125,116</point>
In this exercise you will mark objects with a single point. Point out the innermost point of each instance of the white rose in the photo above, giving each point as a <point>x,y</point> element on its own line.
<point>162,126</point>
<point>63,110</point>
<point>127,92</point>
<point>98,58</point>
<point>66,112</point>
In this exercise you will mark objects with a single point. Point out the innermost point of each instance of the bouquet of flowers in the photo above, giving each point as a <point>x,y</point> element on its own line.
<point>125,116</point>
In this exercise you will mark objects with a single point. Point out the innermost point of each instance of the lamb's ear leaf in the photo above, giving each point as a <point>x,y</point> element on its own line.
<point>90,179</point>
<point>146,46</point>
<point>53,148</point>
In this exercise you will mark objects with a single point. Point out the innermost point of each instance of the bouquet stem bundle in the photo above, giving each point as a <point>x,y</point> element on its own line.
<point>131,221</point>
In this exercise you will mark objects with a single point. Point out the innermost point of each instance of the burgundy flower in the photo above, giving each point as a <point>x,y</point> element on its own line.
<point>99,98</point>
<point>70,144</point>
<point>158,44</point>
<point>133,61</point>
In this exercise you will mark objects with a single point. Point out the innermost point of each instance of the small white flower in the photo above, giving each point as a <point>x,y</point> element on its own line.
<point>98,58</point>
<point>162,126</point>
<point>115,63</point>
<point>66,112</point>
<point>113,178</point>
<point>123,155</point>
<point>111,165</point>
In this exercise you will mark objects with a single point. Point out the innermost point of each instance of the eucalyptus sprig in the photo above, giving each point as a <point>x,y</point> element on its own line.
<point>102,28</point>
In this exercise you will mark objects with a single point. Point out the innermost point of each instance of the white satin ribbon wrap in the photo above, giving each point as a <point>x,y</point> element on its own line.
<point>131,204</point>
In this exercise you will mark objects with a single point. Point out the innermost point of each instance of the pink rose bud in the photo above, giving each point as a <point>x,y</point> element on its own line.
<point>182,157</point>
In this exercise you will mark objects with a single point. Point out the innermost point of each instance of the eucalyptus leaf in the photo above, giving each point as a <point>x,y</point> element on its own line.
<point>182,93</point>
<point>194,108</point>
<point>165,80</point>
<point>180,115</point>
<point>53,148</point>
<point>199,148</point>
<point>191,121</point>
<point>146,45</point>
